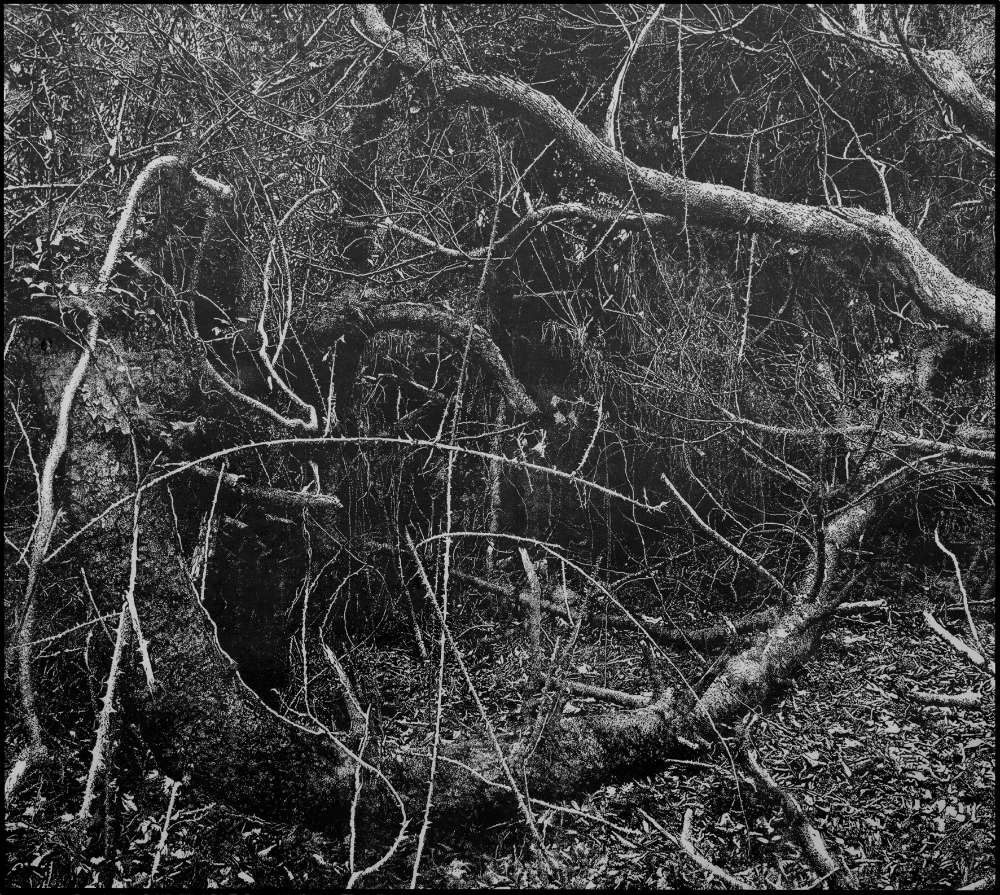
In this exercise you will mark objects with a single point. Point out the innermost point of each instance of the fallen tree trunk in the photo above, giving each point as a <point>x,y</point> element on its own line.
<point>201,719</point>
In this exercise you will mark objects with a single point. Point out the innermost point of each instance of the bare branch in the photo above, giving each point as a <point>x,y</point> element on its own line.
<point>941,294</point>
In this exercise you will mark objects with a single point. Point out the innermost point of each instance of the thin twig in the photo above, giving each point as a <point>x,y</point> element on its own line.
<point>122,640</point>
<point>162,844</point>
<point>961,587</point>
<point>491,733</point>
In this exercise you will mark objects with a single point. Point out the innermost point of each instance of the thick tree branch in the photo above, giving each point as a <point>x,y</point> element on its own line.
<point>370,317</point>
<point>941,295</point>
<point>942,70</point>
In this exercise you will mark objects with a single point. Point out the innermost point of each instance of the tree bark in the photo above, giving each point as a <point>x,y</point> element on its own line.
<point>367,315</point>
<point>941,68</point>
<point>201,719</point>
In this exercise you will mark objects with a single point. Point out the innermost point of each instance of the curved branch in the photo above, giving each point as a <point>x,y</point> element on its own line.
<point>941,294</point>
<point>611,119</point>
<point>414,317</point>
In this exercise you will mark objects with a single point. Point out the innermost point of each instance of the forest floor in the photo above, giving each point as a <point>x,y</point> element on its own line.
<point>903,793</point>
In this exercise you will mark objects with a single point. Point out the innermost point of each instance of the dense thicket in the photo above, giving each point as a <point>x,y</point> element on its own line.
<point>429,324</point>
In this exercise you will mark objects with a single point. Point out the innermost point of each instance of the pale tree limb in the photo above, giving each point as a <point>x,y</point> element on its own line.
<point>611,118</point>
<point>161,845</point>
<point>612,218</point>
<point>968,699</point>
<point>12,781</point>
<point>533,618</point>
<point>133,611</point>
<point>941,294</point>
<point>688,846</point>
<point>808,837</point>
<point>529,818</point>
<point>961,587</point>
<point>986,882</point>
<point>861,606</point>
<point>960,646</point>
<point>941,70</point>
<point>494,480</point>
<point>45,523</point>
<point>268,360</point>
<point>723,542</point>
<point>276,497</point>
<point>123,639</point>
<point>900,439</point>
<point>616,697</point>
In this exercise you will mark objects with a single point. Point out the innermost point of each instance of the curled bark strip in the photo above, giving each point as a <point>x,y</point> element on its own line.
<point>275,497</point>
<point>941,295</point>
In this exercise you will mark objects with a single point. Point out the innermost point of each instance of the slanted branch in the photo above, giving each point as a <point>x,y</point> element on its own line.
<point>809,838</point>
<point>279,498</point>
<point>688,846</point>
<point>369,314</point>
